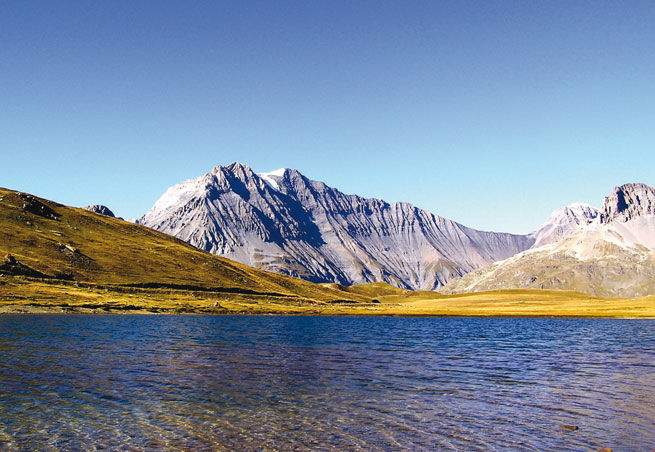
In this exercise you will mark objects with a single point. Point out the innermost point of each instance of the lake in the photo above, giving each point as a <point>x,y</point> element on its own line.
<point>191,382</point>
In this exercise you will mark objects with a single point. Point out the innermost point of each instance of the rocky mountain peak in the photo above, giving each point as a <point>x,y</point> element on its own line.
<point>573,214</point>
<point>235,167</point>
<point>102,210</point>
<point>222,175</point>
<point>563,222</point>
<point>628,202</point>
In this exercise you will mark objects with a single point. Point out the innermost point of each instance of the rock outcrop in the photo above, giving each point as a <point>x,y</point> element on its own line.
<point>32,205</point>
<point>627,202</point>
<point>12,267</point>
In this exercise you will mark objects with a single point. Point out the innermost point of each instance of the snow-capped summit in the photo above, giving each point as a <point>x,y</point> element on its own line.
<point>284,222</point>
<point>563,222</point>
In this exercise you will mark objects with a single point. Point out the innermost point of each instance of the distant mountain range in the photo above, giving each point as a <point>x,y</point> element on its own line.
<point>284,222</point>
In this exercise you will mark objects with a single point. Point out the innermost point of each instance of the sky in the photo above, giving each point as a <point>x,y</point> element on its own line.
<point>492,114</point>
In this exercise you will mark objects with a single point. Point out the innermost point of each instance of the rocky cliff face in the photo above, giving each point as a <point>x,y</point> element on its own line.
<point>284,222</point>
<point>611,255</point>
<point>627,202</point>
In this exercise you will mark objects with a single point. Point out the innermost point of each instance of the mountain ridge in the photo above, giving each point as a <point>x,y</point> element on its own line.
<point>611,255</point>
<point>284,222</point>
<point>563,222</point>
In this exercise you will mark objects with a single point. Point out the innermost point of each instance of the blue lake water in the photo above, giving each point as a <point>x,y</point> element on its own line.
<point>189,382</point>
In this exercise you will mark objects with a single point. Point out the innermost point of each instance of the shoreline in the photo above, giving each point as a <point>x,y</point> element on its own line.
<point>11,310</point>
<point>23,296</point>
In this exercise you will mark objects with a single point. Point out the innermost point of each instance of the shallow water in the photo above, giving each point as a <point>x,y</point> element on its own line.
<point>296,383</point>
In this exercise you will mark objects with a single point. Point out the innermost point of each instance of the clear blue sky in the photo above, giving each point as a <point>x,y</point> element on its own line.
<point>491,113</point>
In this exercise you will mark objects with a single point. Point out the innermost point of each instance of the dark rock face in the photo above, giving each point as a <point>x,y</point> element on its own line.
<point>12,267</point>
<point>286,223</point>
<point>102,210</point>
<point>36,207</point>
<point>628,202</point>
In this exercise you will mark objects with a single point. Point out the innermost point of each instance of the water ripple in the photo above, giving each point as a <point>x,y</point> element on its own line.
<point>298,383</point>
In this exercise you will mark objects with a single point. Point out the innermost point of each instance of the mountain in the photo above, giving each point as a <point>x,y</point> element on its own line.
<point>102,210</point>
<point>612,254</point>
<point>563,222</point>
<point>627,202</point>
<point>284,222</point>
<point>53,242</point>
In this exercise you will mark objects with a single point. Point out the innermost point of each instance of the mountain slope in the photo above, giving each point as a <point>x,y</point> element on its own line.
<point>283,222</point>
<point>41,238</point>
<point>614,255</point>
<point>564,222</point>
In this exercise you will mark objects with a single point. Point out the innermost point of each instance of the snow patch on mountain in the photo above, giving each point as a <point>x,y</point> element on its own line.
<point>271,178</point>
<point>176,196</point>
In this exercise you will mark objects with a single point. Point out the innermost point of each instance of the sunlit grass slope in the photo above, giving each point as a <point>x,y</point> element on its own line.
<point>520,302</point>
<point>71,243</point>
<point>371,290</point>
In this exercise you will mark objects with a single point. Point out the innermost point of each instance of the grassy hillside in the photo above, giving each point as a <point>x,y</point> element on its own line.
<point>68,243</point>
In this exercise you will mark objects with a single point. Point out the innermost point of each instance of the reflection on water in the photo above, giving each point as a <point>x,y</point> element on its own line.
<point>253,383</point>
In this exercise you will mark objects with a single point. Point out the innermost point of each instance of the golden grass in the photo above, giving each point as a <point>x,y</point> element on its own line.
<point>528,303</point>
<point>26,295</point>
